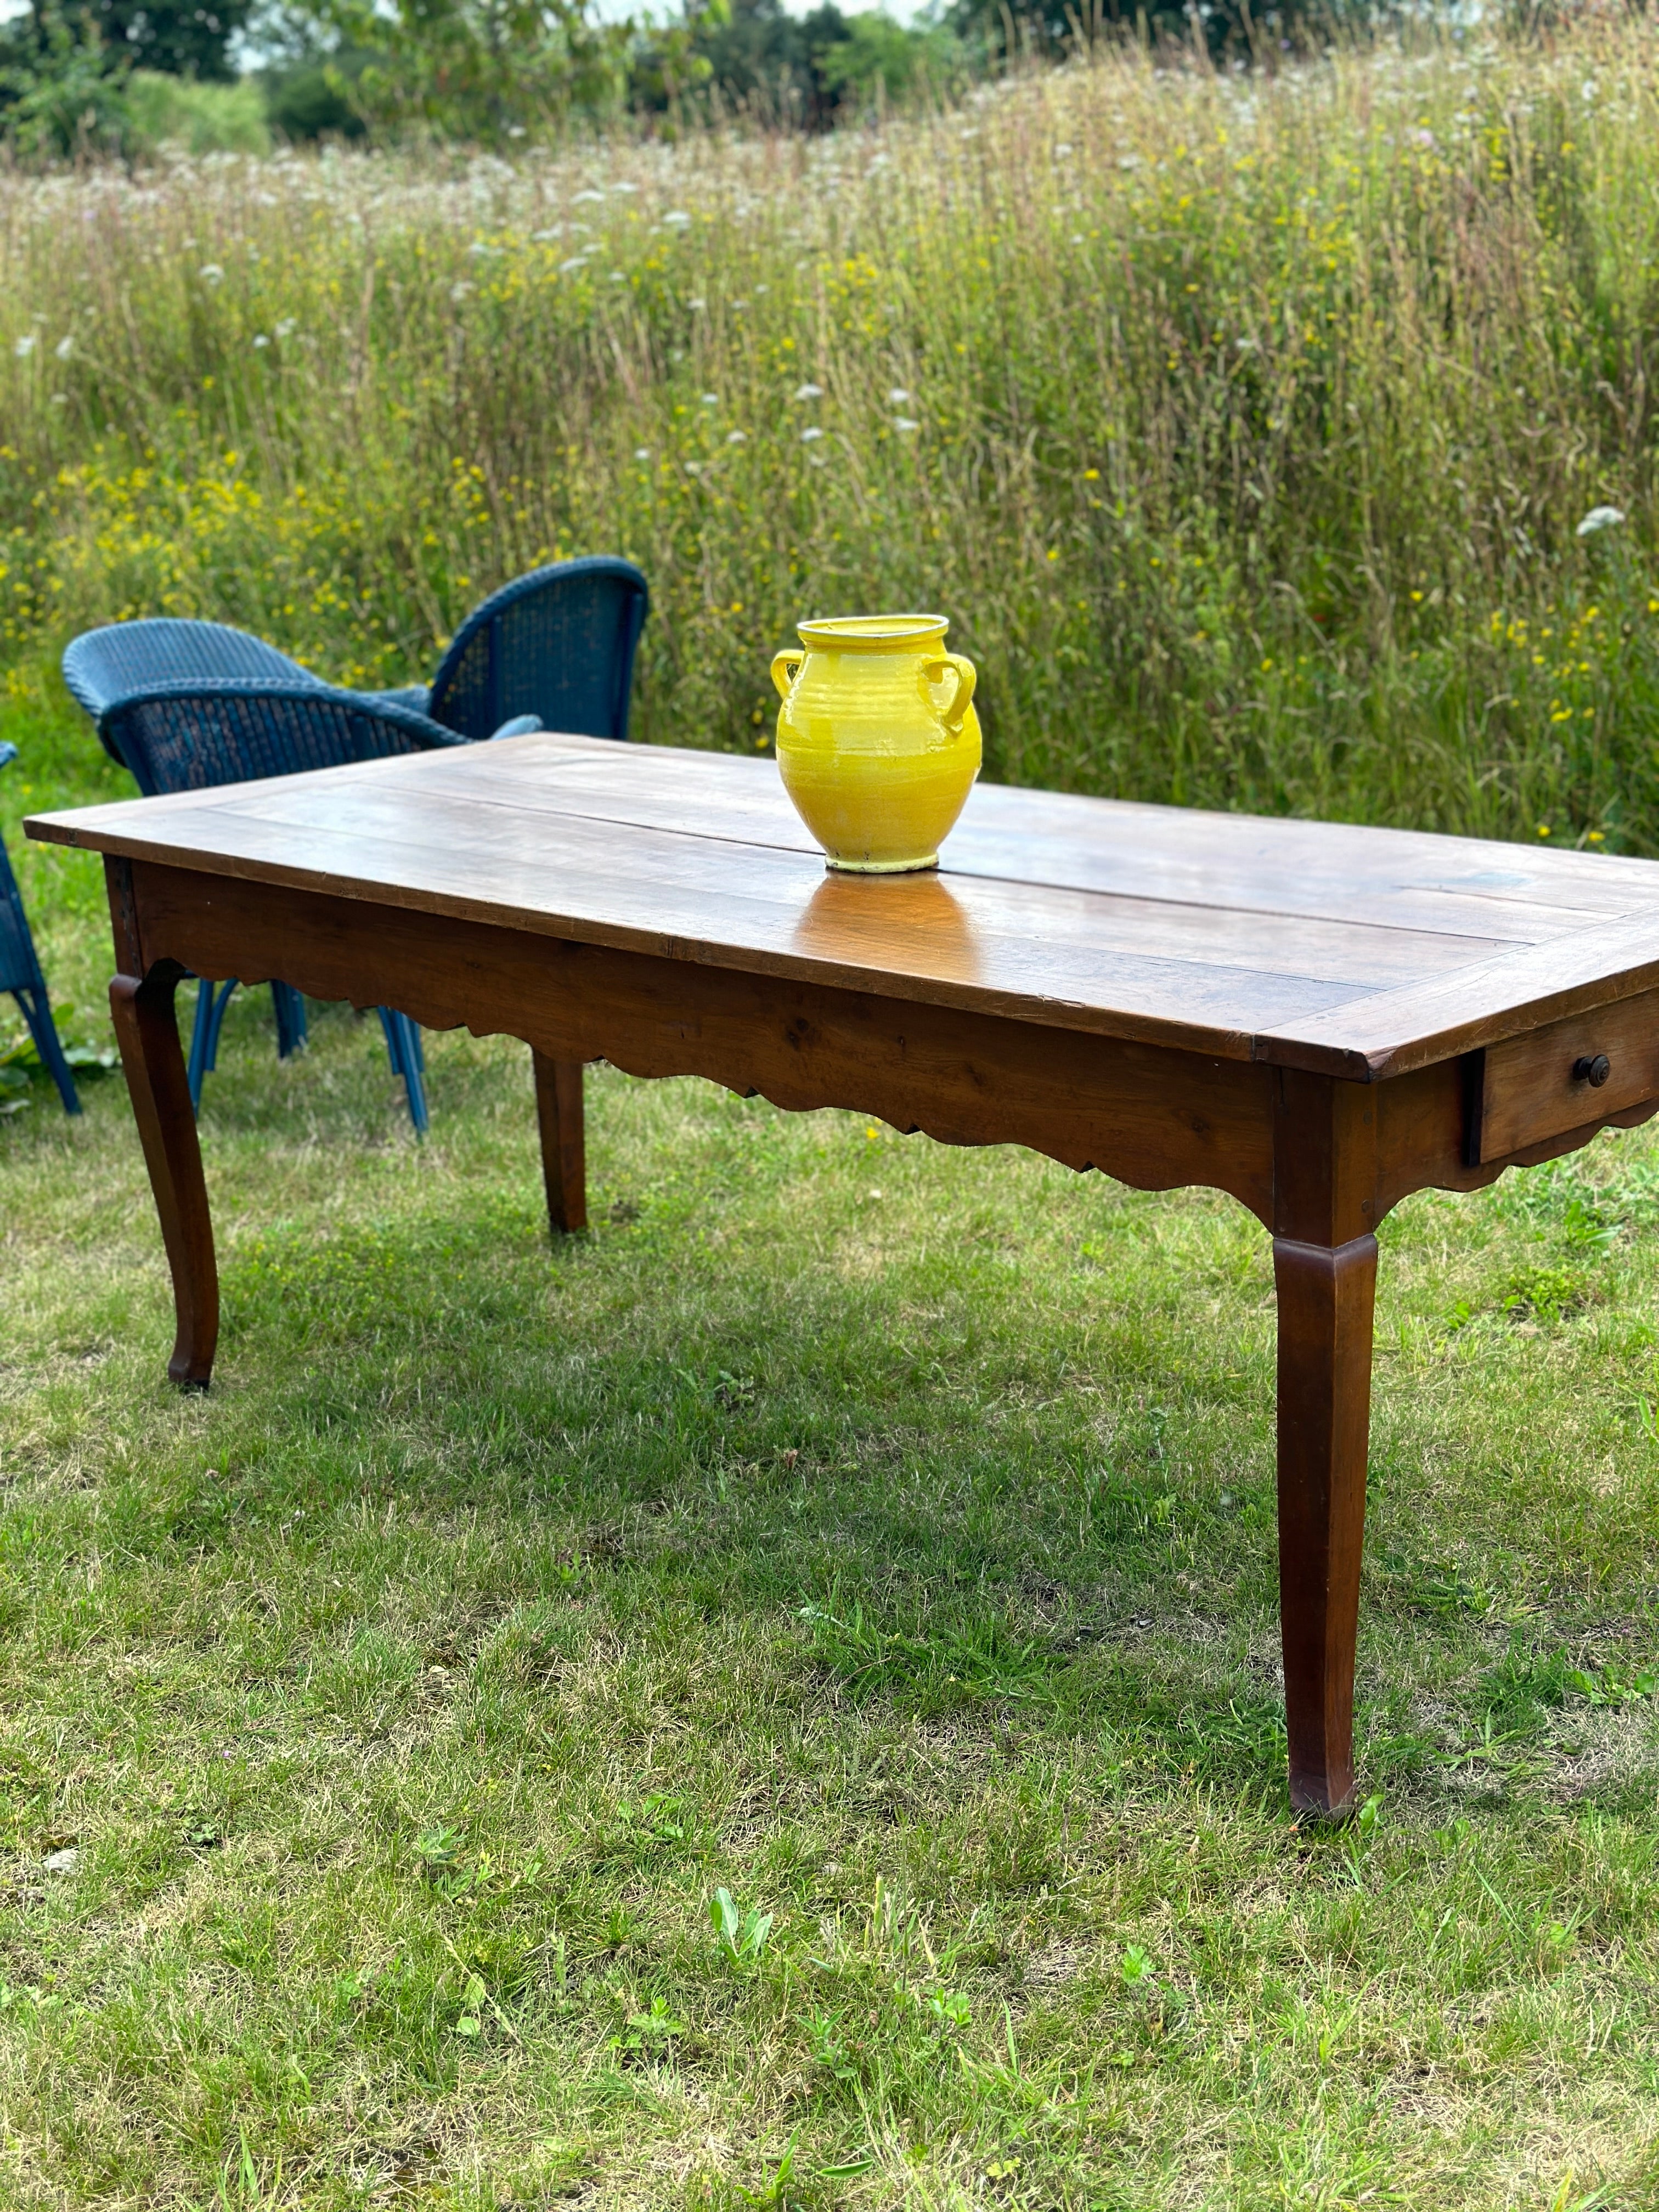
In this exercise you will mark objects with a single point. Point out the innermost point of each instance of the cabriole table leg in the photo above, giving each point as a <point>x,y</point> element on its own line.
<point>147,1030</point>
<point>1325,1303</point>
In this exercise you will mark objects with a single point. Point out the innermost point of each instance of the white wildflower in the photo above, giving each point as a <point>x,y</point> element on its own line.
<point>63,349</point>
<point>1599,518</point>
<point>903,423</point>
<point>262,340</point>
<point>460,291</point>
<point>641,452</point>
<point>25,345</point>
<point>711,399</point>
<point>811,432</point>
<point>211,273</point>
<point>737,438</point>
<point>569,268</point>
<point>677,218</point>
<point>697,305</point>
<point>286,327</point>
<point>589,195</point>
<point>897,396</point>
<point>694,468</point>
<point>810,392</point>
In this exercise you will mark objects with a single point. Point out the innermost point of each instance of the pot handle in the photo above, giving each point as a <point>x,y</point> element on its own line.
<point>966,675</point>
<point>782,674</point>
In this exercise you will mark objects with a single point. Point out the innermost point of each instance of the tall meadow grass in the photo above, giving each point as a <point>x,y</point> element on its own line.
<point>1243,427</point>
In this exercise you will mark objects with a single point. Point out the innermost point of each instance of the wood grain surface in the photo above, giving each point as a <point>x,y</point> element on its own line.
<point>1344,951</point>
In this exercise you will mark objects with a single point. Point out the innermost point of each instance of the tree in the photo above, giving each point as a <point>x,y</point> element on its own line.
<point>483,70</point>
<point>177,37</point>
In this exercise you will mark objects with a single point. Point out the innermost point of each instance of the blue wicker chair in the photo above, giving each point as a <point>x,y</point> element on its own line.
<point>558,643</point>
<point>196,733</point>
<point>20,973</point>
<point>554,649</point>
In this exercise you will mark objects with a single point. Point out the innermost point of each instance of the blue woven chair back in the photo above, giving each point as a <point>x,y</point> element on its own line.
<point>103,666</point>
<point>558,643</point>
<point>193,735</point>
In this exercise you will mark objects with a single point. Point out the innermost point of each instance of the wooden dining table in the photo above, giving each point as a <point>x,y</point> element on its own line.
<point>1317,1018</point>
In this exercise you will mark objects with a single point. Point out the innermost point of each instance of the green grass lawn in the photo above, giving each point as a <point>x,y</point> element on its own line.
<point>880,1534</point>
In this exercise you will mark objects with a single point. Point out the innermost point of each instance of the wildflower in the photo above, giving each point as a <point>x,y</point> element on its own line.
<point>737,438</point>
<point>697,305</point>
<point>1543,829</point>
<point>711,399</point>
<point>569,268</point>
<point>905,423</point>
<point>286,327</point>
<point>811,432</point>
<point>261,340</point>
<point>809,391</point>
<point>1598,519</point>
<point>694,468</point>
<point>590,194</point>
<point>898,396</point>
<point>211,273</point>
<point>677,218</point>
<point>25,346</point>
<point>460,291</point>
<point>63,349</point>
<point>641,452</point>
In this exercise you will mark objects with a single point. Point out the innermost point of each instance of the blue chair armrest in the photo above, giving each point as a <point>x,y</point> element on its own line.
<point>521,726</point>
<point>416,695</point>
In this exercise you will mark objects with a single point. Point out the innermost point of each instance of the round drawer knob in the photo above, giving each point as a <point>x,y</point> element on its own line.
<point>1593,1068</point>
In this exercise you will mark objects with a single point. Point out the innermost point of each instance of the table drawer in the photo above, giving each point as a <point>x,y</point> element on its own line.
<point>1552,1079</point>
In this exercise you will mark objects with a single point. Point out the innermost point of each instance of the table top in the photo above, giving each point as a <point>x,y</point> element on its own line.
<point>1354,953</point>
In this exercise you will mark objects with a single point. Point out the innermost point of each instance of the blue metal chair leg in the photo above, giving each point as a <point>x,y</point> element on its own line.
<point>291,1018</point>
<point>211,1003</point>
<point>42,1028</point>
<point>404,1050</point>
<point>200,1035</point>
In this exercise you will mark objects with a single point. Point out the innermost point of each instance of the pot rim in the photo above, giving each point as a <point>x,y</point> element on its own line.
<point>872,632</point>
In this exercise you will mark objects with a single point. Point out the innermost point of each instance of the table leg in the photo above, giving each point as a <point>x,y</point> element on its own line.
<point>1325,1301</point>
<point>147,1030</point>
<point>564,1167</point>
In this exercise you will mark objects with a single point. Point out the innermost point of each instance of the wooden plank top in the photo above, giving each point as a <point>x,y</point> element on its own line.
<point>1350,951</point>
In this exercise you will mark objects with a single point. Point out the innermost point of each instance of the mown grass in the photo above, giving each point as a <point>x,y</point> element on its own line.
<point>880,1534</point>
<point>1243,427</point>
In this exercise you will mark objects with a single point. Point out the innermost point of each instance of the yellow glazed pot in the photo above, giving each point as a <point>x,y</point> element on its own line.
<point>877,743</point>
